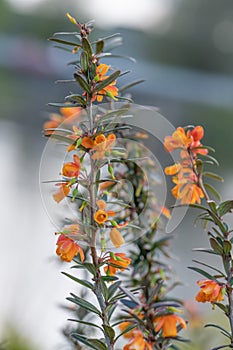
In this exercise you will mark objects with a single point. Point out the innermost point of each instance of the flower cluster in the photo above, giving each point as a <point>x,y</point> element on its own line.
<point>185,173</point>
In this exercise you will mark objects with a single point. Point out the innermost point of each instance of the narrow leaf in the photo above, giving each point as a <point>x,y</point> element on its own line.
<point>82,82</point>
<point>82,282</point>
<point>86,45</point>
<point>84,304</point>
<point>225,207</point>
<point>84,61</point>
<point>128,86</point>
<point>99,46</point>
<point>202,272</point>
<point>213,176</point>
<point>65,42</point>
<point>107,81</point>
<point>213,191</point>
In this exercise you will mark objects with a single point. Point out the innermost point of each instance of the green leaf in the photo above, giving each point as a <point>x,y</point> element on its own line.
<point>89,266</point>
<point>204,250</point>
<point>95,344</point>
<point>85,322</point>
<point>211,158</point>
<point>84,61</point>
<point>86,45</point>
<point>213,176</point>
<point>202,272</point>
<point>213,190</point>
<point>109,331</point>
<point>76,98</point>
<point>209,266</point>
<point>82,282</point>
<point>128,86</point>
<point>225,207</point>
<point>219,327</point>
<point>107,81</point>
<point>216,246</point>
<point>99,46</point>
<point>109,278</point>
<point>212,206</point>
<point>83,83</point>
<point>104,289</point>
<point>83,303</point>
<point>113,288</point>
<point>224,308</point>
<point>65,42</point>
<point>109,54</point>
<point>227,246</point>
<point>65,105</point>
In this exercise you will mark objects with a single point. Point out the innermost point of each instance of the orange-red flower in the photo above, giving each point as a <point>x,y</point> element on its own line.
<point>210,291</point>
<point>62,192</point>
<point>120,261</point>
<point>116,238</point>
<point>168,324</point>
<point>111,90</point>
<point>72,169</point>
<point>179,139</point>
<point>67,248</point>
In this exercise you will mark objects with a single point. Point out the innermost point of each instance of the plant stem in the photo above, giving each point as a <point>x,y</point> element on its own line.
<point>94,254</point>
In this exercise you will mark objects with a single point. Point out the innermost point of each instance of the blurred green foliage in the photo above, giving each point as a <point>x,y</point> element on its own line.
<point>14,340</point>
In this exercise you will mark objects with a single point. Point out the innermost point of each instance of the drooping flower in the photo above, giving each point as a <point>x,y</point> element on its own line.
<point>120,262</point>
<point>186,190</point>
<point>168,324</point>
<point>72,169</point>
<point>62,192</point>
<point>210,291</point>
<point>67,248</point>
<point>116,238</point>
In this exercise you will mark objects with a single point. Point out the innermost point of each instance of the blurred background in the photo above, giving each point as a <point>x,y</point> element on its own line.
<point>184,50</point>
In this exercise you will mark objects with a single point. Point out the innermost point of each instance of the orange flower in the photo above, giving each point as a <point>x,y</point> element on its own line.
<point>172,169</point>
<point>197,134</point>
<point>168,324</point>
<point>179,139</point>
<point>187,191</point>
<point>87,142</point>
<point>110,90</point>
<point>120,261</point>
<point>102,145</point>
<point>138,342</point>
<point>67,248</point>
<point>210,291</point>
<point>68,114</point>
<point>62,192</point>
<point>72,169</point>
<point>116,238</point>
<point>101,216</point>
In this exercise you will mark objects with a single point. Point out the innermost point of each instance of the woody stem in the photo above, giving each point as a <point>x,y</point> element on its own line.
<point>94,254</point>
